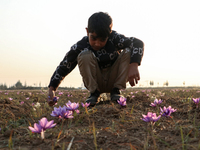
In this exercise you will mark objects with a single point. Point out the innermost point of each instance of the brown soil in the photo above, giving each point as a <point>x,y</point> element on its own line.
<point>107,126</point>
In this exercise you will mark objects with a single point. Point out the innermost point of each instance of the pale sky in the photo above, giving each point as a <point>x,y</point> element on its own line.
<point>35,35</point>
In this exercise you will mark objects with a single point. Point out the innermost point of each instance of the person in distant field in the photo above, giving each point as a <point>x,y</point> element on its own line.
<point>106,59</point>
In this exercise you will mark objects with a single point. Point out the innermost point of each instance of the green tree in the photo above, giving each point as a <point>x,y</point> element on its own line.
<point>166,83</point>
<point>151,83</point>
<point>3,86</point>
<point>25,84</point>
<point>18,84</point>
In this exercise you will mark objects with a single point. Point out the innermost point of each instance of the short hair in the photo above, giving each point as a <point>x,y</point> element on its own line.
<point>101,24</point>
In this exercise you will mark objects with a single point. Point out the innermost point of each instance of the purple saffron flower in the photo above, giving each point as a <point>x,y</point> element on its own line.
<point>37,128</point>
<point>122,101</point>
<point>45,124</point>
<point>167,111</point>
<point>55,100</point>
<point>60,93</point>
<point>72,106</point>
<point>10,98</point>
<point>42,126</point>
<point>68,114</point>
<point>85,105</point>
<point>61,112</point>
<point>196,101</point>
<point>156,102</point>
<point>57,111</point>
<point>22,102</point>
<point>150,117</point>
<point>27,98</point>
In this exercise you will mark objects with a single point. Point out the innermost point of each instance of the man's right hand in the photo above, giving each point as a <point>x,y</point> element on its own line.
<point>51,95</point>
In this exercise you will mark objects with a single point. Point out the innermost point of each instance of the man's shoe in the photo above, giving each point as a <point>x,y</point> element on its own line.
<point>92,99</point>
<point>115,94</point>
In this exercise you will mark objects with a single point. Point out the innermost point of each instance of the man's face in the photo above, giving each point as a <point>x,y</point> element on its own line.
<point>96,42</point>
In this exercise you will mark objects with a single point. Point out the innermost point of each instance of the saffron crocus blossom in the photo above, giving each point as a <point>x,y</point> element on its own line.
<point>60,93</point>
<point>55,99</point>
<point>196,101</point>
<point>57,112</point>
<point>42,126</point>
<point>61,112</point>
<point>10,98</point>
<point>37,128</point>
<point>72,106</point>
<point>68,114</point>
<point>85,105</point>
<point>156,102</point>
<point>45,124</point>
<point>167,111</point>
<point>122,101</point>
<point>150,117</point>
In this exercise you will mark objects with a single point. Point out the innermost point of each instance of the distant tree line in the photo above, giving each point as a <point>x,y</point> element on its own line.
<point>3,87</point>
<point>151,83</point>
<point>19,85</point>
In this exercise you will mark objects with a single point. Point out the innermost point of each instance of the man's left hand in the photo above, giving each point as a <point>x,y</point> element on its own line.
<point>133,74</point>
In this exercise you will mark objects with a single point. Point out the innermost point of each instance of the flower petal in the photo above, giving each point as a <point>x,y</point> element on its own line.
<point>43,122</point>
<point>32,129</point>
<point>49,124</point>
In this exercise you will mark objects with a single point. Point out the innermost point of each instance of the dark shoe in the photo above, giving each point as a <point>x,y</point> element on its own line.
<point>115,94</point>
<point>92,99</point>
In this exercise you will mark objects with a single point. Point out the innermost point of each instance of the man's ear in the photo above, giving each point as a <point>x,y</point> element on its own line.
<point>87,31</point>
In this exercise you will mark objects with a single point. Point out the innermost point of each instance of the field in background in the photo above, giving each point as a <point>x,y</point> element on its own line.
<point>105,126</point>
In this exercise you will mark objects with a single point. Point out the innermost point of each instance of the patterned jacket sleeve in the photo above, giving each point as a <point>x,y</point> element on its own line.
<point>135,45</point>
<point>67,64</point>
